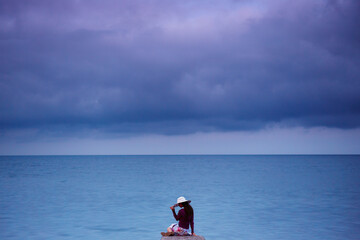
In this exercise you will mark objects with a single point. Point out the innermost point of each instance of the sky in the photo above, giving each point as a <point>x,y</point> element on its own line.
<point>179,77</point>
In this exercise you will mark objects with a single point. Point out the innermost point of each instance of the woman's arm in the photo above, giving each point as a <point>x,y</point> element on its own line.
<point>174,213</point>
<point>192,225</point>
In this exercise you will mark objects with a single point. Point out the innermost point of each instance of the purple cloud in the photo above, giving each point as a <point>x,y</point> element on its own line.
<point>174,67</point>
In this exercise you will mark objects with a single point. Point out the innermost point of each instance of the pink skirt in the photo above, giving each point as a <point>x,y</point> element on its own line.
<point>179,230</point>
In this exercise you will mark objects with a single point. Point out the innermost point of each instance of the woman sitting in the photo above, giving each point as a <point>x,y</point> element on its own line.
<point>185,217</point>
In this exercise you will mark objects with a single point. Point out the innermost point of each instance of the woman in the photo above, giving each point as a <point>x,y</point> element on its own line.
<point>185,217</point>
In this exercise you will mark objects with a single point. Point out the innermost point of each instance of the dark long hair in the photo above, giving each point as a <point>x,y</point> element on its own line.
<point>188,209</point>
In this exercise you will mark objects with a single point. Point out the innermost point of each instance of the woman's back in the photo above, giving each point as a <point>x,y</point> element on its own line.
<point>184,219</point>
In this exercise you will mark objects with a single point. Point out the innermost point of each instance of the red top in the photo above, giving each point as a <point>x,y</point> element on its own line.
<point>184,220</point>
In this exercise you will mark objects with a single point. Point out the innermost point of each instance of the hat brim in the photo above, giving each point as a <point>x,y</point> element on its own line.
<point>188,201</point>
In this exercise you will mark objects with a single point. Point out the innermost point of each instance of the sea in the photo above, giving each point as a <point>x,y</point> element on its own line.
<point>245,197</point>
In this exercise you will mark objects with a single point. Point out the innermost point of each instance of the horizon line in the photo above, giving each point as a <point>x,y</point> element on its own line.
<point>225,154</point>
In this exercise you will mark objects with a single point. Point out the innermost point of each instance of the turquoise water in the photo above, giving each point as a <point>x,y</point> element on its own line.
<point>128,197</point>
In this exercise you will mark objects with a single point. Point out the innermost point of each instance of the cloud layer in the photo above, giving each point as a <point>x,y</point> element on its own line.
<point>175,67</point>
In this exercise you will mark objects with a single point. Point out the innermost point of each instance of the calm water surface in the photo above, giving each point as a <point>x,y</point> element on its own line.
<point>128,197</point>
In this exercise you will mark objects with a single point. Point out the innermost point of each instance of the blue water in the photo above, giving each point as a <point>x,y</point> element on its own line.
<point>128,197</point>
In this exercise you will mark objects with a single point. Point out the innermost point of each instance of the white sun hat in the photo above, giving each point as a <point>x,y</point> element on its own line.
<point>182,199</point>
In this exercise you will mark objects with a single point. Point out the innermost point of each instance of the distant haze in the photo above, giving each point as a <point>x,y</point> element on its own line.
<point>179,77</point>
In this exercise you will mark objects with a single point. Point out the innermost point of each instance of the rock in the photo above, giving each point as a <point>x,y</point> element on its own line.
<point>183,238</point>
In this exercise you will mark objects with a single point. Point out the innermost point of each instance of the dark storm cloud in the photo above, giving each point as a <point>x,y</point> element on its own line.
<point>179,66</point>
